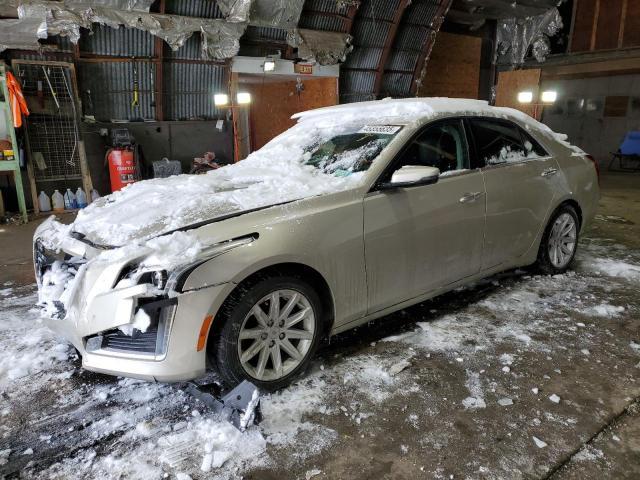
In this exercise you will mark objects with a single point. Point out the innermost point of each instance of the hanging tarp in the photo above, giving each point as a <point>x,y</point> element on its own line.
<point>324,48</point>
<point>235,10</point>
<point>130,5</point>
<point>55,17</point>
<point>283,14</point>
<point>516,35</point>
<point>20,33</point>
<point>221,39</point>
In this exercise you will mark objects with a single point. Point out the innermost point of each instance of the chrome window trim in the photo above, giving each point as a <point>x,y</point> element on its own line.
<point>518,162</point>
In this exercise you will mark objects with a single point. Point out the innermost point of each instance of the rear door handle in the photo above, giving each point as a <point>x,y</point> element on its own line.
<point>549,171</point>
<point>470,197</point>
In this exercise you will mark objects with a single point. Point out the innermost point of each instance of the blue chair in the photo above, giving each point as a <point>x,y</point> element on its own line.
<point>628,155</point>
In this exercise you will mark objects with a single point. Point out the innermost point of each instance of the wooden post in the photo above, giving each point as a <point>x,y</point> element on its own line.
<point>159,66</point>
<point>594,28</point>
<point>233,91</point>
<point>623,21</point>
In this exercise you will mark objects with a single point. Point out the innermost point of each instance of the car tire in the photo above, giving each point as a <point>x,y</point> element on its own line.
<point>228,352</point>
<point>553,255</point>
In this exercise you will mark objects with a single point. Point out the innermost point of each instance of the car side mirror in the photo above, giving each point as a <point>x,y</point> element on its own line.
<point>412,176</point>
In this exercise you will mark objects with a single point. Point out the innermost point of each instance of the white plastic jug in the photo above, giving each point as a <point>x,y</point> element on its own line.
<point>94,195</point>
<point>81,198</point>
<point>44,203</point>
<point>58,201</point>
<point>70,200</point>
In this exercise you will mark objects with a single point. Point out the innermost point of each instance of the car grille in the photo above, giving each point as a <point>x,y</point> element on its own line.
<point>139,342</point>
<point>44,260</point>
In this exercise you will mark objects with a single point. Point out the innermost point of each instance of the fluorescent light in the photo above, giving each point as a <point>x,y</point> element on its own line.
<point>243,98</point>
<point>525,97</point>
<point>269,66</point>
<point>220,99</point>
<point>550,96</point>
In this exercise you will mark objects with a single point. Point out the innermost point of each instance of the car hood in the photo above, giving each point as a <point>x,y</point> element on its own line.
<point>156,207</point>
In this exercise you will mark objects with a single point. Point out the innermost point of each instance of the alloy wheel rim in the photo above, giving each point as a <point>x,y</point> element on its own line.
<point>276,335</point>
<point>562,241</point>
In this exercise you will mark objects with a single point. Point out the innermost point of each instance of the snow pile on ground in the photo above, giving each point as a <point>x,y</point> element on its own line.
<point>28,347</point>
<point>615,268</point>
<point>604,310</point>
<point>476,397</point>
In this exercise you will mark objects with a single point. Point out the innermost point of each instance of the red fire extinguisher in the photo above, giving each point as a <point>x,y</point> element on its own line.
<point>123,167</point>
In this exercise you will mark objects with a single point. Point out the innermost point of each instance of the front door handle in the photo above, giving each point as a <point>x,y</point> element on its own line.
<point>549,171</point>
<point>470,197</point>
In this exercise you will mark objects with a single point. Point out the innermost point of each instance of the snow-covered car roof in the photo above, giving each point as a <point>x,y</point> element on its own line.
<point>407,110</point>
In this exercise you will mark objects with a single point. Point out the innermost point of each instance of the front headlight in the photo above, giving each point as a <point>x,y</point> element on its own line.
<point>178,277</point>
<point>173,279</point>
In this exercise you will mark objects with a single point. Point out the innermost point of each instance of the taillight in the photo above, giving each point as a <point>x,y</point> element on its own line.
<point>595,165</point>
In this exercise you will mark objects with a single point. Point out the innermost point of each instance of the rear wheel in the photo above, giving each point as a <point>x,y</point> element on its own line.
<point>269,333</point>
<point>559,242</point>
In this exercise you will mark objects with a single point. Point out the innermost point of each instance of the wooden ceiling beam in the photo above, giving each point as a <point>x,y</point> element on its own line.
<point>350,17</point>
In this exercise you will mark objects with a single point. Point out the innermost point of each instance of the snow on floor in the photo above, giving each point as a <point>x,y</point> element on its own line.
<point>79,424</point>
<point>31,348</point>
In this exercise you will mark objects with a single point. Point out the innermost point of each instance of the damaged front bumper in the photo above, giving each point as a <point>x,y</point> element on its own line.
<point>95,310</point>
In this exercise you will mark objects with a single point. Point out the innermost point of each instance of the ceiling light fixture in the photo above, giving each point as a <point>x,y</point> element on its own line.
<point>269,66</point>
<point>525,97</point>
<point>550,96</point>
<point>243,98</point>
<point>220,99</point>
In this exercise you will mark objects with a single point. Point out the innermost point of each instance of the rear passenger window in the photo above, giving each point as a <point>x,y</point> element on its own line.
<point>497,142</point>
<point>532,147</point>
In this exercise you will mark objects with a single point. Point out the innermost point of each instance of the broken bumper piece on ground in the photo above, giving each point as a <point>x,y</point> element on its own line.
<point>241,406</point>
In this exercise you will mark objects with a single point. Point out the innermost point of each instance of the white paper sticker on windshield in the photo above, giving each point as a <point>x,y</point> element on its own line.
<point>383,129</point>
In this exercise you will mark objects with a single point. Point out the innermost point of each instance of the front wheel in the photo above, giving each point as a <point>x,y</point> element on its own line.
<point>559,241</point>
<point>269,333</point>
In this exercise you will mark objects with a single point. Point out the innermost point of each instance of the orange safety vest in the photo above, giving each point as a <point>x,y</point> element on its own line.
<point>16,100</point>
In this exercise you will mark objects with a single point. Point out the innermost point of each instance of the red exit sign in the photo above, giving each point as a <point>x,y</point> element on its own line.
<point>303,68</point>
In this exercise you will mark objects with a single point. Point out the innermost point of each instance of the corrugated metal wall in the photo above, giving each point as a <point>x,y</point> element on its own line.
<point>118,42</point>
<point>106,84</point>
<point>370,30</point>
<point>193,8</point>
<point>413,34</point>
<point>106,89</point>
<point>189,90</point>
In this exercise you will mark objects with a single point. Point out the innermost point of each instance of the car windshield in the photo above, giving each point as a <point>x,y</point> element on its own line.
<point>352,151</point>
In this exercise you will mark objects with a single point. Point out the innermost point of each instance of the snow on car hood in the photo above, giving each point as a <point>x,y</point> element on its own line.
<point>276,174</point>
<point>151,208</point>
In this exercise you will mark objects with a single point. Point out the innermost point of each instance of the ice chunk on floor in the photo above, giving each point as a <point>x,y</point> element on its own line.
<point>539,443</point>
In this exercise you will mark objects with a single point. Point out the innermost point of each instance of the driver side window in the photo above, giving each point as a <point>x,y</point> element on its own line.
<point>442,145</point>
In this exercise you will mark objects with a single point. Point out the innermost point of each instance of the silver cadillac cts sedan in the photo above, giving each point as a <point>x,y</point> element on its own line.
<point>355,212</point>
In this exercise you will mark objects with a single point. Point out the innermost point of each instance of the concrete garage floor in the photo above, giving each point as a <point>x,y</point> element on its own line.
<point>463,393</point>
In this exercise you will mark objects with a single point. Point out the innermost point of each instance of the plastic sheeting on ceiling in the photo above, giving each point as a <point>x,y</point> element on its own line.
<point>220,37</point>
